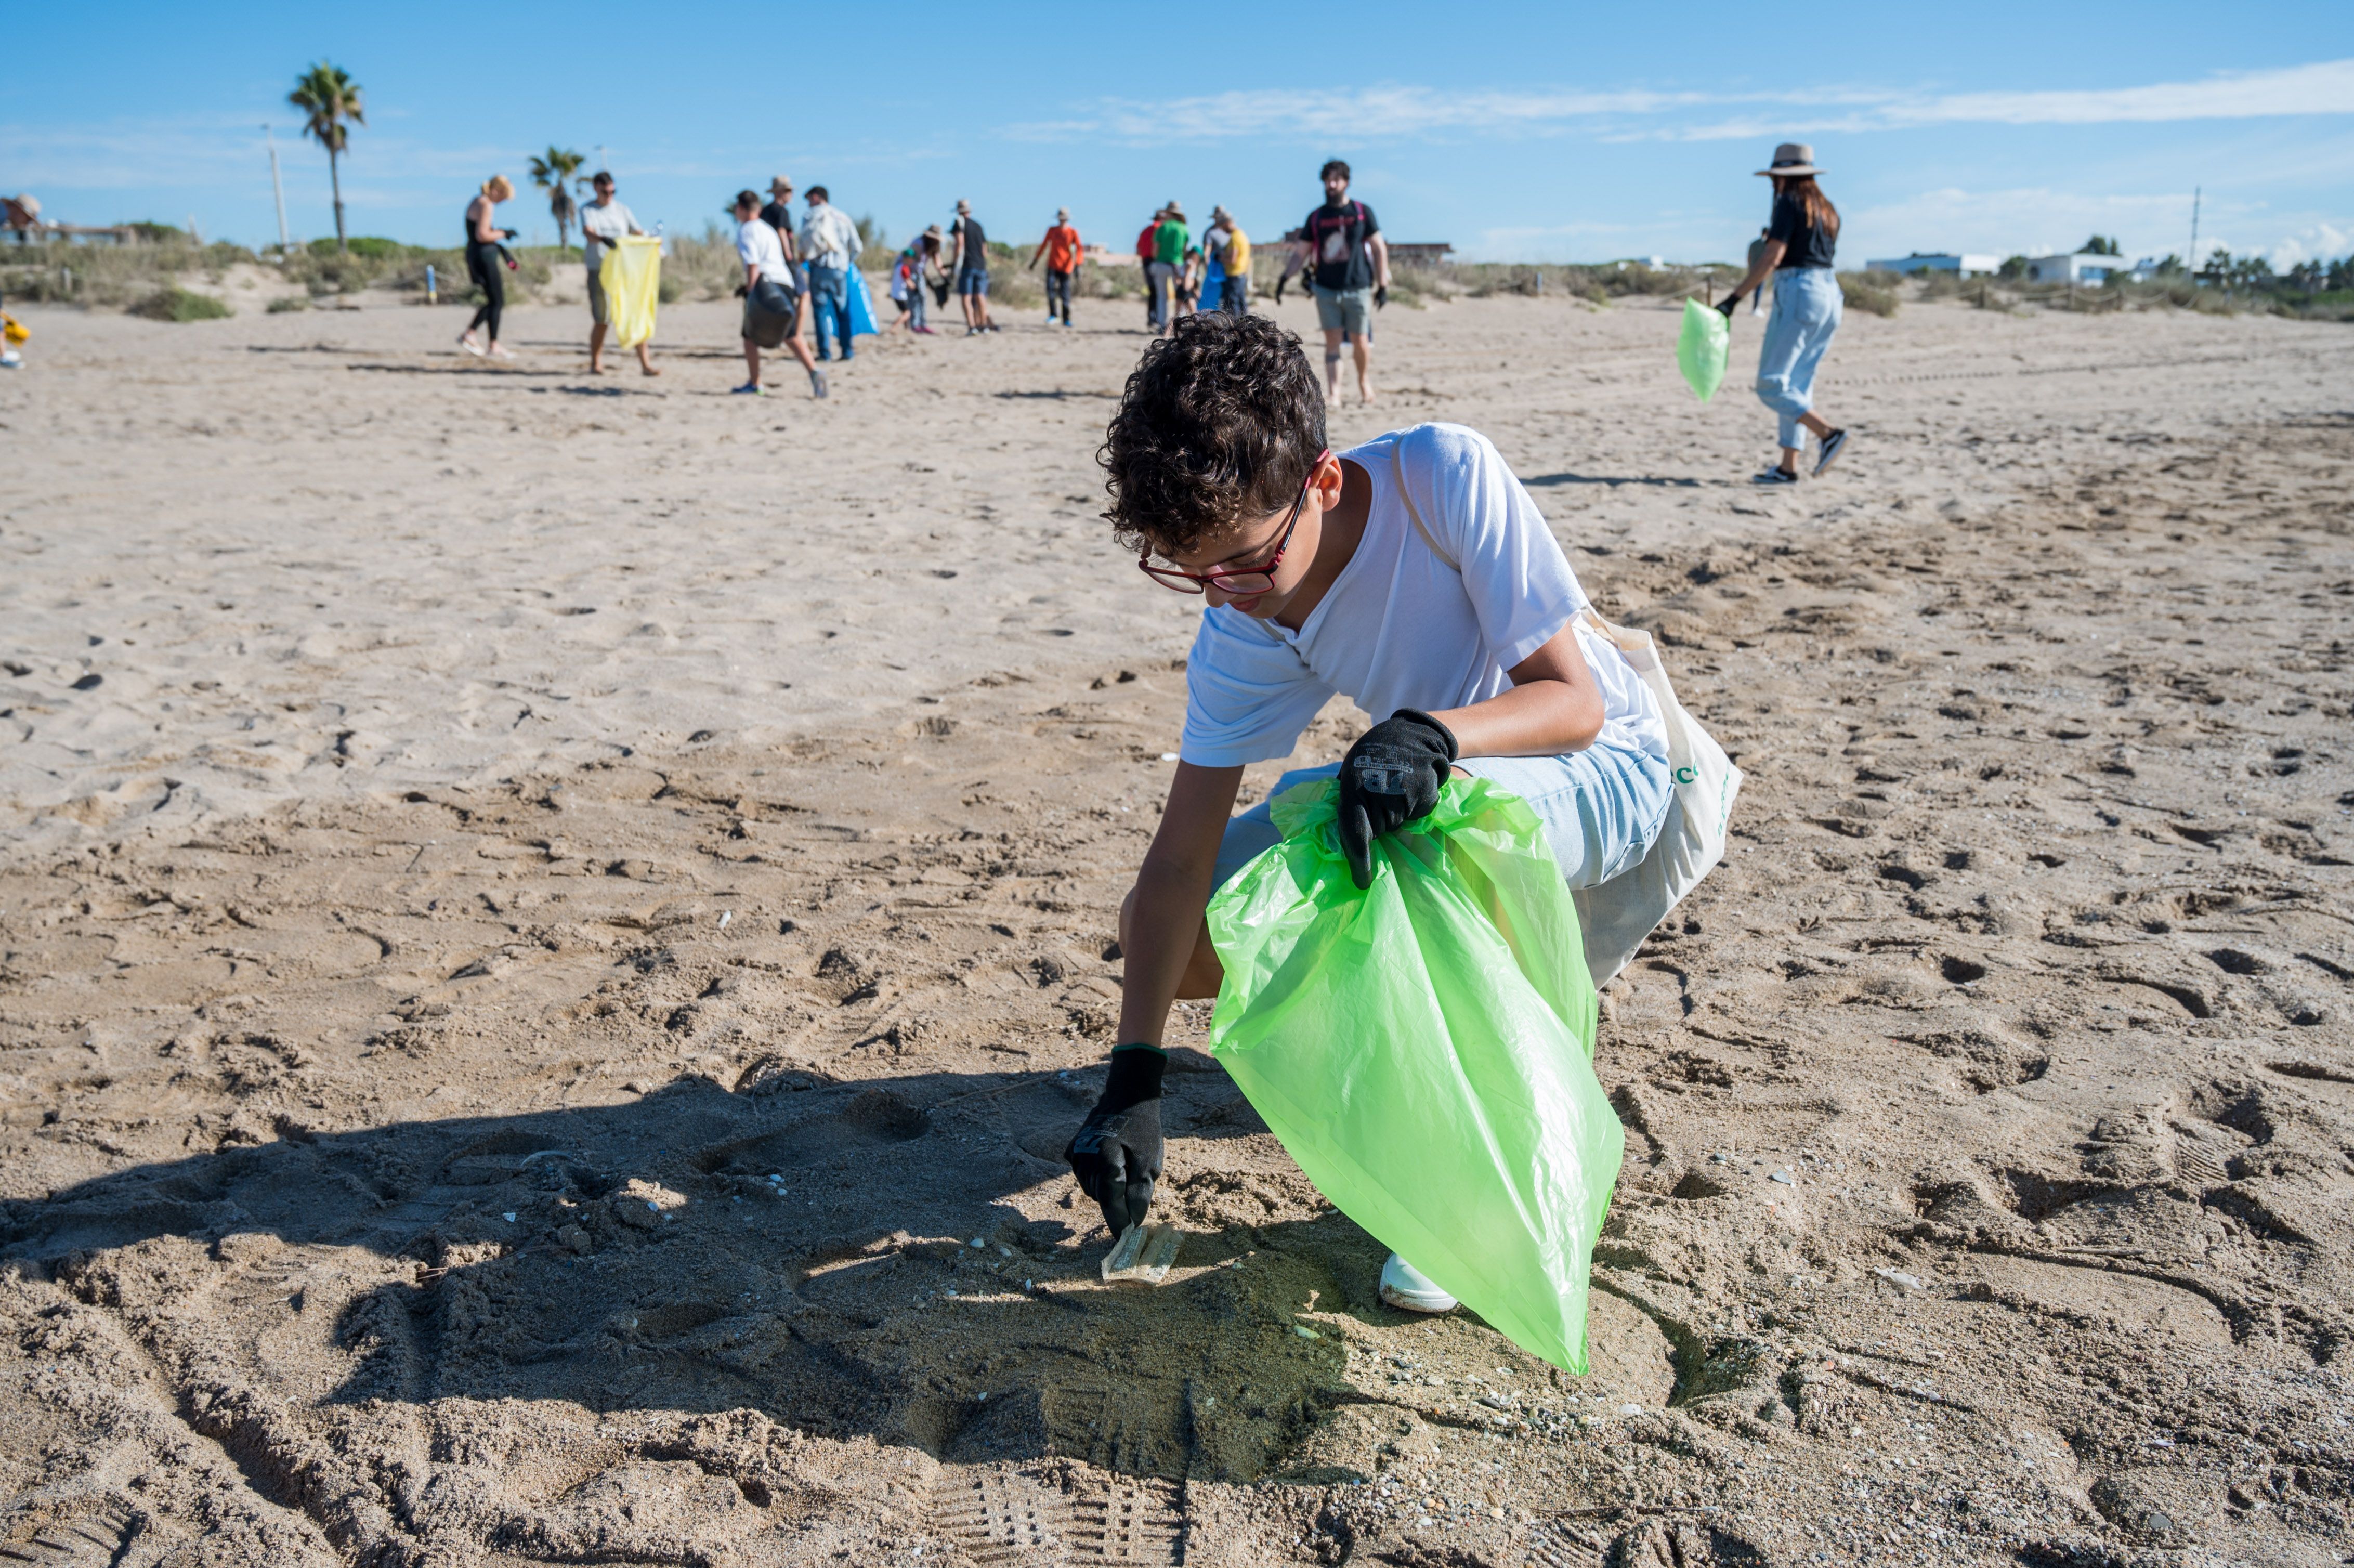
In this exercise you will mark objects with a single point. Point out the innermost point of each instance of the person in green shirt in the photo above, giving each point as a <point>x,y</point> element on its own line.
<point>1168,243</point>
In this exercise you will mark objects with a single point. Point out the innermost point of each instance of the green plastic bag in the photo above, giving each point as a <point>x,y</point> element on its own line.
<point>1703,348</point>
<point>1424,1048</point>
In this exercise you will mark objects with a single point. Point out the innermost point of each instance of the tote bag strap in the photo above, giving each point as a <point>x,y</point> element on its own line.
<point>1397,477</point>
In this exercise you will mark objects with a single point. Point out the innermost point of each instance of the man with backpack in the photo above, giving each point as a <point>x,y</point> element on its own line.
<point>1342,244</point>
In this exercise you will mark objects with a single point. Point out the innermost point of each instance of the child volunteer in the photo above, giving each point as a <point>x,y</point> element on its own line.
<point>1412,575</point>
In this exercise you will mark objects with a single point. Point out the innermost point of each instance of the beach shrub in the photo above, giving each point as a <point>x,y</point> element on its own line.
<point>370,247</point>
<point>285,302</point>
<point>178,304</point>
<point>1860,293</point>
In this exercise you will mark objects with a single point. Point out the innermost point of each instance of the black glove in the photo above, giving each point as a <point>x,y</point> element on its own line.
<point>1381,296</point>
<point>1117,1155</point>
<point>1390,778</point>
<point>1724,306</point>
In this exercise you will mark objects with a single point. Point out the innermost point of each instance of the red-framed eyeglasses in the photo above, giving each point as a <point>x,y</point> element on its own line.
<point>1241,584</point>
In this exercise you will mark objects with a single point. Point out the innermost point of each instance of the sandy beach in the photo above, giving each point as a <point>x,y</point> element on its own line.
<point>553,930</point>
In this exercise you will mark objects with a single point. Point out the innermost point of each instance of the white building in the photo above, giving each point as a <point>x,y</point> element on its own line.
<point>1962,265</point>
<point>2081,267</point>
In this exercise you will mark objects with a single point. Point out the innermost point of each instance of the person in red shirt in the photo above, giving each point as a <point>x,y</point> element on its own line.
<point>1148,250</point>
<point>1063,253</point>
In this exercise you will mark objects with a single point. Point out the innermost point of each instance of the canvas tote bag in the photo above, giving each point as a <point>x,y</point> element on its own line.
<point>1617,915</point>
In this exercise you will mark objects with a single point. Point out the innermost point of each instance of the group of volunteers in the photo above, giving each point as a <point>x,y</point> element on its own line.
<point>1181,277</point>
<point>797,272</point>
<point>1413,575</point>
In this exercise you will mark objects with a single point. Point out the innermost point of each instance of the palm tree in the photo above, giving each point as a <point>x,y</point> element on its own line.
<point>330,103</point>
<point>550,172</point>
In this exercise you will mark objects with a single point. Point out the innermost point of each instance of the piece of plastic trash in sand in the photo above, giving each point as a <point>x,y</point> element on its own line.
<point>1898,1277</point>
<point>1703,348</point>
<point>1143,1254</point>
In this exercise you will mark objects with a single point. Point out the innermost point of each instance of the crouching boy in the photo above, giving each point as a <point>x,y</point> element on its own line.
<point>1412,575</point>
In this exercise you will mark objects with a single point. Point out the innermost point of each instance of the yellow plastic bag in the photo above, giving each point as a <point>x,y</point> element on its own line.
<point>631,274</point>
<point>14,330</point>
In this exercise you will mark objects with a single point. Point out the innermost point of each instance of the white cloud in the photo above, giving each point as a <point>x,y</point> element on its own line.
<point>1357,113</point>
<point>2320,242</point>
<point>2325,87</point>
<point>2033,221</point>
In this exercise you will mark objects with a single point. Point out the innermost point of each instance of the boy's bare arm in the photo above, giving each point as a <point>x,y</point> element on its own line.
<point>1172,889</point>
<point>1554,706</point>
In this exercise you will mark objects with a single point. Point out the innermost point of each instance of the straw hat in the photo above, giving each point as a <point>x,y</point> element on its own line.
<point>1792,159</point>
<point>1173,210</point>
<point>780,187</point>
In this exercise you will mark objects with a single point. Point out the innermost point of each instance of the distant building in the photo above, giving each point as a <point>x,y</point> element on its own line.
<point>1941,261</point>
<point>1419,255</point>
<point>2083,266</point>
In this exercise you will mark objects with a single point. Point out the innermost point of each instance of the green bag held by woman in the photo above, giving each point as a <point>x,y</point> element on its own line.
<point>1704,347</point>
<point>1424,1048</point>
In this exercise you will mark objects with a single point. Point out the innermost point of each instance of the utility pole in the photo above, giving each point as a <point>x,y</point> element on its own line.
<point>278,189</point>
<point>2194,232</point>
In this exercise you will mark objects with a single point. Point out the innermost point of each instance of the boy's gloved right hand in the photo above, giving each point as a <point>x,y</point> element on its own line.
<point>1390,778</point>
<point>1117,1155</point>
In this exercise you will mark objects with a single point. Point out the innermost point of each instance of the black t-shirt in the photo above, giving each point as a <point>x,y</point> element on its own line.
<point>1803,244</point>
<point>1337,245</point>
<point>779,216</point>
<point>976,246</point>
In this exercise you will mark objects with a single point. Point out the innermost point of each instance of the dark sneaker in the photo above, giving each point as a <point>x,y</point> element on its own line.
<point>1829,454</point>
<point>1774,476</point>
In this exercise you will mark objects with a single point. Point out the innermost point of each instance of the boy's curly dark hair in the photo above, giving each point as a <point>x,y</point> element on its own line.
<point>1221,421</point>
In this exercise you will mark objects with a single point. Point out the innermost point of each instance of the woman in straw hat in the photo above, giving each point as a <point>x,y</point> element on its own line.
<point>1797,252</point>
<point>486,250</point>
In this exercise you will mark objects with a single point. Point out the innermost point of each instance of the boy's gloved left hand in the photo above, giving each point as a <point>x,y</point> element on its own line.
<point>1390,778</point>
<point>1117,1153</point>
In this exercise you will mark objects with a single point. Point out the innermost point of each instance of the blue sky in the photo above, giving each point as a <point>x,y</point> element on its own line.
<point>1550,131</point>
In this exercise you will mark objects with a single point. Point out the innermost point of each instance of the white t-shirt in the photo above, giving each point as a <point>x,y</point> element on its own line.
<point>1400,628</point>
<point>757,244</point>
<point>607,222</point>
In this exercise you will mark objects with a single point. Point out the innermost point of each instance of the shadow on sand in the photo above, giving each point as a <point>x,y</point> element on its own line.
<point>900,1258</point>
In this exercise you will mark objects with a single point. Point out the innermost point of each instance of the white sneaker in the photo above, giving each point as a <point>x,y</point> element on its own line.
<point>1405,1289</point>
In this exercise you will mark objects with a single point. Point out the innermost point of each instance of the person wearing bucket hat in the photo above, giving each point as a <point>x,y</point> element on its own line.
<point>1797,254</point>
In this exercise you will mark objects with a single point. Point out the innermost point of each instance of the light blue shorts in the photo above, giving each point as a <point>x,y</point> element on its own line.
<point>1602,809</point>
